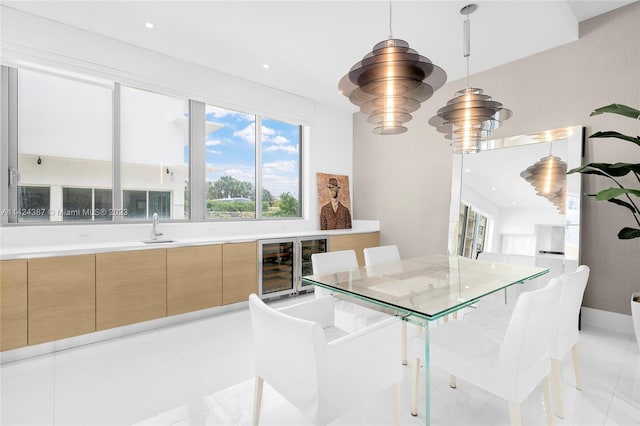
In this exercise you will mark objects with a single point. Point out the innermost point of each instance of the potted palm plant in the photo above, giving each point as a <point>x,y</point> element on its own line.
<point>619,194</point>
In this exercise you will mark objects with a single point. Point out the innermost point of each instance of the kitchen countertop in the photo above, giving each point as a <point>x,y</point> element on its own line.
<point>91,247</point>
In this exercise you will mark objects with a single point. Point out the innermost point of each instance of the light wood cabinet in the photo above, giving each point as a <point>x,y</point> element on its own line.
<point>13,304</point>
<point>131,287</point>
<point>239,271</point>
<point>62,297</point>
<point>194,278</point>
<point>357,242</point>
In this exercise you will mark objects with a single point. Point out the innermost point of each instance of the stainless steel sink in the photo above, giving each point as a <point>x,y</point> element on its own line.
<point>158,241</point>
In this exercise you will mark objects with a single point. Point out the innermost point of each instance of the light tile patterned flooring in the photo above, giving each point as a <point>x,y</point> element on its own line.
<point>201,373</point>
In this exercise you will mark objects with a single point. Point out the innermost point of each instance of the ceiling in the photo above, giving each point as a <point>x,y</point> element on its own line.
<point>310,45</point>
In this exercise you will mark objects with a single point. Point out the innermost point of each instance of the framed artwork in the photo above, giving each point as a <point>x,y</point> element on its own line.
<point>334,201</point>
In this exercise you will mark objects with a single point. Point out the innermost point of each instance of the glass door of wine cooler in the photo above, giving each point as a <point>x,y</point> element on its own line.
<point>277,267</point>
<point>309,246</point>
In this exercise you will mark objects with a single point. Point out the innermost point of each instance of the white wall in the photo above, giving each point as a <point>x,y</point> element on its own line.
<point>552,89</point>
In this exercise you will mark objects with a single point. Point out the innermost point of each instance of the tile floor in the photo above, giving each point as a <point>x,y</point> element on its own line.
<point>200,373</point>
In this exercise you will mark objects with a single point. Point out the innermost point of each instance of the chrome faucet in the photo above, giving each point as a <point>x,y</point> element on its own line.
<point>154,229</point>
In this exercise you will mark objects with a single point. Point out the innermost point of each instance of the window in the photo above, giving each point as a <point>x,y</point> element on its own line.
<point>33,203</point>
<point>230,164</point>
<point>154,144</point>
<point>64,139</point>
<point>280,143</point>
<point>136,206</point>
<point>86,204</point>
<point>62,145</point>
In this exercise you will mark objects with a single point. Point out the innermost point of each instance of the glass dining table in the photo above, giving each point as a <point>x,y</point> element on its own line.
<point>425,289</point>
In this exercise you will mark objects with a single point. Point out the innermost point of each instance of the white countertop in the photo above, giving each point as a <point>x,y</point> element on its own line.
<point>83,241</point>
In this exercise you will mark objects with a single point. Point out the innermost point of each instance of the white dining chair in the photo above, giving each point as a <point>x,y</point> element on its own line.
<point>383,260</point>
<point>323,378</point>
<point>511,367</point>
<point>349,314</point>
<point>381,254</point>
<point>566,336</point>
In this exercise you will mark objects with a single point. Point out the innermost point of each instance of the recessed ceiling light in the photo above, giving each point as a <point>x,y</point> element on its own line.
<point>266,66</point>
<point>493,188</point>
<point>513,202</point>
<point>467,170</point>
<point>149,25</point>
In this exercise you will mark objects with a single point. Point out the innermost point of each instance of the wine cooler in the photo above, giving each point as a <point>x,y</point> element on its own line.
<point>284,261</point>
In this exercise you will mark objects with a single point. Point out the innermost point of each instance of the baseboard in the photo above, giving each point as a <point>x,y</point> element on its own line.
<point>611,321</point>
<point>113,333</point>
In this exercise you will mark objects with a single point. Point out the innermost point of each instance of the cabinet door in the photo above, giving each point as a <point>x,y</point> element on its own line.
<point>239,271</point>
<point>194,278</point>
<point>357,242</point>
<point>62,297</point>
<point>13,304</point>
<point>131,287</point>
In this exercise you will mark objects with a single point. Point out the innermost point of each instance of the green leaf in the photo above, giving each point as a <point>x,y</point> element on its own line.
<point>627,233</point>
<point>623,204</point>
<point>618,135</point>
<point>619,109</point>
<point>616,169</point>
<point>607,194</point>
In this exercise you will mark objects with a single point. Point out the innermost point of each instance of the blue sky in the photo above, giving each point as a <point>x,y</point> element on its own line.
<point>230,150</point>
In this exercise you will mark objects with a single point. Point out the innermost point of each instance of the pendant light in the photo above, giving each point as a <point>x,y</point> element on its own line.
<point>548,176</point>
<point>390,83</point>
<point>471,117</point>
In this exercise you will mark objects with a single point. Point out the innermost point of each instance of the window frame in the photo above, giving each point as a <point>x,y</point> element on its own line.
<point>196,175</point>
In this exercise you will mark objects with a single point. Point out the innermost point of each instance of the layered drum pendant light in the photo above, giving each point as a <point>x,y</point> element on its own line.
<point>548,176</point>
<point>471,117</point>
<point>390,83</point>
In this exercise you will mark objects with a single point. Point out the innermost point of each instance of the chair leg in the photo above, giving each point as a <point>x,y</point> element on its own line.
<point>576,366</point>
<point>396,404</point>
<point>548,408</point>
<point>452,381</point>
<point>415,378</point>
<point>514,414</point>
<point>556,374</point>
<point>404,343</point>
<point>257,400</point>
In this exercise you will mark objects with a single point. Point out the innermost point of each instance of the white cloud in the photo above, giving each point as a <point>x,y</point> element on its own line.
<point>214,151</point>
<point>276,167</point>
<point>248,133</point>
<point>213,142</point>
<point>221,113</point>
<point>286,148</point>
<point>279,140</point>
<point>278,184</point>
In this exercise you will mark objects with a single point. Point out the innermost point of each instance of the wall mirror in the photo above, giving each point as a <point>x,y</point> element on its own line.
<point>495,210</point>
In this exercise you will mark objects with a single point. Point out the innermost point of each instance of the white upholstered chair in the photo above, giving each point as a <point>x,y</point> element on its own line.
<point>349,315</point>
<point>381,254</point>
<point>323,378</point>
<point>380,260</point>
<point>565,336</point>
<point>511,367</point>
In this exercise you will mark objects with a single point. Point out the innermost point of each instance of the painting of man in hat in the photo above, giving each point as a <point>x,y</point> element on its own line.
<point>333,196</point>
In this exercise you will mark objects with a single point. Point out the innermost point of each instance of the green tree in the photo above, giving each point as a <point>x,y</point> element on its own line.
<point>288,206</point>
<point>230,187</point>
<point>267,197</point>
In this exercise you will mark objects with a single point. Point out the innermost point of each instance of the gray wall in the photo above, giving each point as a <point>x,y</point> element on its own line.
<point>404,181</point>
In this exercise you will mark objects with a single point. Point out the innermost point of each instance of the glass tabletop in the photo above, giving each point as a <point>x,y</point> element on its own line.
<point>429,287</point>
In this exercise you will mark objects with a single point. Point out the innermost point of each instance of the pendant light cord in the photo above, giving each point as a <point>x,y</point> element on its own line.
<point>390,15</point>
<point>466,29</point>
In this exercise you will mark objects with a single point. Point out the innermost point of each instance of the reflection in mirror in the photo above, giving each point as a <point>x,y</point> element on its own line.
<point>494,209</point>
